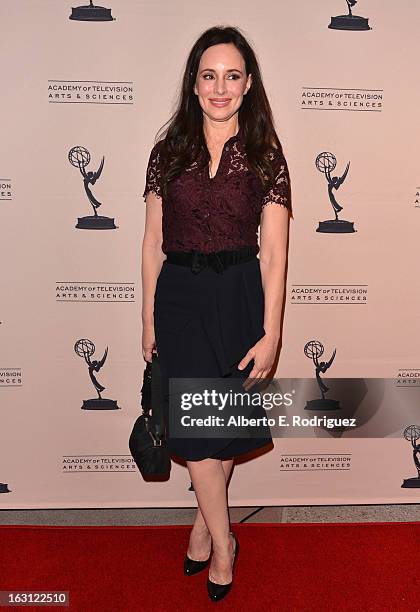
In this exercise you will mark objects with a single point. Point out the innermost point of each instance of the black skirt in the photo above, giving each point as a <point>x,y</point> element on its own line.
<point>204,325</point>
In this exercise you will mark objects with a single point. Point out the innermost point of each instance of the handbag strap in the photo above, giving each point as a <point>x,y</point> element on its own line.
<point>157,391</point>
<point>146,390</point>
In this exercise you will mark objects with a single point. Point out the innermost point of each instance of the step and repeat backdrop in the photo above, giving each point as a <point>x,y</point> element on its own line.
<point>85,89</point>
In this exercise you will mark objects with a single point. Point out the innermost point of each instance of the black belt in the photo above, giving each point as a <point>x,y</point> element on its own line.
<point>218,260</point>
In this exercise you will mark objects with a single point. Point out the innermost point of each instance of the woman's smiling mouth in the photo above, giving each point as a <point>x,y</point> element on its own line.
<point>219,102</point>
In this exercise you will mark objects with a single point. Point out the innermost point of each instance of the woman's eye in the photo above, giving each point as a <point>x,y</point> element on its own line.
<point>233,76</point>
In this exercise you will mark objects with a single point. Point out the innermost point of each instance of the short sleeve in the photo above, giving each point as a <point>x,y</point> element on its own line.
<point>153,173</point>
<point>280,192</point>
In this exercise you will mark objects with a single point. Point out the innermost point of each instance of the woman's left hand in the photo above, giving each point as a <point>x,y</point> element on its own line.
<point>263,353</point>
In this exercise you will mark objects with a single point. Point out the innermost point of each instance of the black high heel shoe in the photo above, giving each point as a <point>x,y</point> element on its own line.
<point>192,567</point>
<point>218,591</point>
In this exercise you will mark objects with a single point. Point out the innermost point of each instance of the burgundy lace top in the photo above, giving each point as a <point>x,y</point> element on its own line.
<point>220,213</point>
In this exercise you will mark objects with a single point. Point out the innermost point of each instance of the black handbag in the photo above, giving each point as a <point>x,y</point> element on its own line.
<point>147,441</point>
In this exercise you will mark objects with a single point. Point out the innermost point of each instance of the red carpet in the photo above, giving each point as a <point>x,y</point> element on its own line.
<point>295,567</point>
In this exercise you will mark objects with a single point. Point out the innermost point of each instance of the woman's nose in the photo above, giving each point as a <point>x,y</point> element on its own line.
<point>220,86</point>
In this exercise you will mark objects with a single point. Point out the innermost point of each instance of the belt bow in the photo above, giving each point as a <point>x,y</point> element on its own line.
<point>199,261</point>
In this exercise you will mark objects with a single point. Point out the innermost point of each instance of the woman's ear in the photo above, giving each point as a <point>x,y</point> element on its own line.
<point>248,83</point>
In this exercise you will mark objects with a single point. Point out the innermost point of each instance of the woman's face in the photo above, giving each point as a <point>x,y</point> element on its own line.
<point>221,81</point>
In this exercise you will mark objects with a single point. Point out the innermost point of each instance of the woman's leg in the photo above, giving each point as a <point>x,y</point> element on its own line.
<point>200,539</point>
<point>227,468</point>
<point>209,481</point>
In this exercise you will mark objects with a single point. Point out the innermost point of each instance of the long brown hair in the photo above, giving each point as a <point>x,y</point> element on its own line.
<point>183,139</point>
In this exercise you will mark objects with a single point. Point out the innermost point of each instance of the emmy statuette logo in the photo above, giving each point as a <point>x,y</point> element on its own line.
<point>85,348</point>
<point>350,21</point>
<point>91,13</point>
<point>313,350</point>
<point>326,163</point>
<point>412,434</point>
<point>79,157</point>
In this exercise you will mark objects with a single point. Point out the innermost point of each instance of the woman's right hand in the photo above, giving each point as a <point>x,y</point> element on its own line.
<point>148,342</point>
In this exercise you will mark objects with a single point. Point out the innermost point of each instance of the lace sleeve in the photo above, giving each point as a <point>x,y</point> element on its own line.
<point>280,191</point>
<point>153,174</point>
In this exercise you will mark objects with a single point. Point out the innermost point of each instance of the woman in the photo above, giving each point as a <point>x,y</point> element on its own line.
<point>211,308</point>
